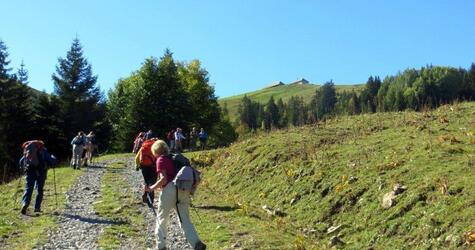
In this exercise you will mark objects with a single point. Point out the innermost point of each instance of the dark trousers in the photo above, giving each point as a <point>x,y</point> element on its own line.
<point>150,177</point>
<point>36,180</point>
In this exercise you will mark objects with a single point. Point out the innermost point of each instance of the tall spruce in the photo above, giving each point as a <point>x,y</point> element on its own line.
<point>78,94</point>
<point>22,74</point>
<point>16,111</point>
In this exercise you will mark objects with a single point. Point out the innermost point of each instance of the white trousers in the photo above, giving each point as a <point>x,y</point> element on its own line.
<point>167,202</point>
<point>77,154</point>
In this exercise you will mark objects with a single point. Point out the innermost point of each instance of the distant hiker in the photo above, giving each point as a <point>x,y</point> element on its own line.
<point>89,147</point>
<point>78,143</point>
<point>35,162</point>
<point>145,161</point>
<point>179,137</point>
<point>171,198</point>
<point>138,142</point>
<point>203,136</point>
<point>148,135</point>
<point>171,140</point>
<point>193,135</point>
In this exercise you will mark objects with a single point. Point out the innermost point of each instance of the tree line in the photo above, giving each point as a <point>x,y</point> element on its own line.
<point>426,88</point>
<point>161,95</point>
<point>76,104</point>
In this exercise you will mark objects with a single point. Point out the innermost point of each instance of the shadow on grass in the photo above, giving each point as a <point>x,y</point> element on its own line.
<point>219,208</point>
<point>94,221</point>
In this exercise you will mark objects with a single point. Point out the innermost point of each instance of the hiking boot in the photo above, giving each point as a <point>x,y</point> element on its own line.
<point>200,246</point>
<point>23,209</point>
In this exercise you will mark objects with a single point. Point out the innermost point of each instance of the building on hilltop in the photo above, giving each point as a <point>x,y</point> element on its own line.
<point>300,81</point>
<point>274,84</point>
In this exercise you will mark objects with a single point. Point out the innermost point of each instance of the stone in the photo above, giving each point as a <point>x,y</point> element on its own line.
<point>389,200</point>
<point>398,188</point>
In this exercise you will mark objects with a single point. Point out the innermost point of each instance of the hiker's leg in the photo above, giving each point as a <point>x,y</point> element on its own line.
<point>166,202</point>
<point>183,208</point>
<point>40,183</point>
<point>29,185</point>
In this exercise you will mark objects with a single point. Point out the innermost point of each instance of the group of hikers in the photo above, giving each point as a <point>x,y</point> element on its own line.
<point>84,147</point>
<point>162,166</point>
<point>176,139</point>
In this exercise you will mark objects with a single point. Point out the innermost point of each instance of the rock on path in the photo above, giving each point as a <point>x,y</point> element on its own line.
<point>176,238</point>
<point>79,226</point>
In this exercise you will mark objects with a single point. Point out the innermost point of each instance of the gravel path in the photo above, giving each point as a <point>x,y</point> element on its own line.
<point>79,226</point>
<point>176,238</point>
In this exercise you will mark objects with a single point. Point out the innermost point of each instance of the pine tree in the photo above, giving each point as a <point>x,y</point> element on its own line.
<point>75,86</point>
<point>4,62</point>
<point>15,111</point>
<point>22,74</point>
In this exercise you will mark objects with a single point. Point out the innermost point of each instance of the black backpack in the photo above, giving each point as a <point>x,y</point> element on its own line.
<point>179,161</point>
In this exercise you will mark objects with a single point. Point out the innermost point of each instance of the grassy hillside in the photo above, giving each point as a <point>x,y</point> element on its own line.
<point>335,175</point>
<point>282,91</point>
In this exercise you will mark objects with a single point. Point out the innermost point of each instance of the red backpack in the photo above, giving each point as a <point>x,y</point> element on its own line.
<point>31,151</point>
<point>146,157</point>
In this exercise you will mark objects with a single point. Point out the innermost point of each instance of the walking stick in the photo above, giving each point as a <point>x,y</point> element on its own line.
<point>54,184</point>
<point>150,203</point>
<point>20,176</point>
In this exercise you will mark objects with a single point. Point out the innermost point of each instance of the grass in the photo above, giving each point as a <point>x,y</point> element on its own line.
<point>119,205</point>
<point>24,232</point>
<point>336,173</point>
<point>306,91</point>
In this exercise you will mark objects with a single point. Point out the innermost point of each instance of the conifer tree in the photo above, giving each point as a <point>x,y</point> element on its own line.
<point>22,74</point>
<point>78,94</point>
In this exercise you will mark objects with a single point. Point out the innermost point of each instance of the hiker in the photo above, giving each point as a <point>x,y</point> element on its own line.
<point>171,140</point>
<point>138,142</point>
<point>170,198</point>
<point>35,162</point>
<point>78,143</point>
<point>148,135</point>
<point>145,161</point>
<point>179,140</point>
<point>193,135</point>
<point>89,147</point>
<point>203,136</point>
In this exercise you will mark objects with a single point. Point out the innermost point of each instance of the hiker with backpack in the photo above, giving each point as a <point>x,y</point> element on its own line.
<point>171,140</point>
<point>172,196</point>
<point>203,136</point>
<point>138,142</point>
<point>89,147</point>
<point>145,161</point>
<point>179,137</point>
<point>35,162</point>
<point>78,143</point>
<point>193,135</point>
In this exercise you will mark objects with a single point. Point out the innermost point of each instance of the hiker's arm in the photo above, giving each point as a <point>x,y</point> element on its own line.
<point>161,180</point>
<point>137,160</point>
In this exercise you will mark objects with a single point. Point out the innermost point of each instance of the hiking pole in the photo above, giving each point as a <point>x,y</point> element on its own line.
<point>197,214</point>
<point>20,176</point>
<point>54,184</point>
<point>150,203</point>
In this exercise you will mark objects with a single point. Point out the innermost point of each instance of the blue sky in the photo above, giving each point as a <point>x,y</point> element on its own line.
<point>244,44</point>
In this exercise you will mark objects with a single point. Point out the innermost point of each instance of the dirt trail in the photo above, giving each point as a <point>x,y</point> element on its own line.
<point>79,226</point>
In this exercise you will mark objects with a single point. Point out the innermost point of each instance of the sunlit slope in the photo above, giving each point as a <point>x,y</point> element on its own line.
<point>283,91</point>
<point>336,174</point>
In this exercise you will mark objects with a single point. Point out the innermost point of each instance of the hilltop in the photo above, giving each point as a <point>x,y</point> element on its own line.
<point>326,182</point>
<point>284,91</point>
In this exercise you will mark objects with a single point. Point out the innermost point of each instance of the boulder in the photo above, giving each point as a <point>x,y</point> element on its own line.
<point>389,200</point>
